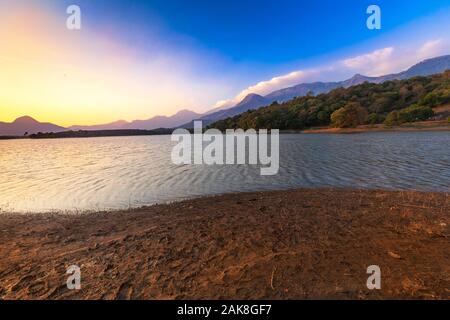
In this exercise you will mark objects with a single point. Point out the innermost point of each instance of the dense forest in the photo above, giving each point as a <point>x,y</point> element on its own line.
<point>391,103</point>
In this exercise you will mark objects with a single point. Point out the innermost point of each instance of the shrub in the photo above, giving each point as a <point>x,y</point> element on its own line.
<point>415,113</point>
<point>431,99</point>
<point>338,117</point>
<point>392,119</point>
<point>349,116</point>
<point>374,118</point>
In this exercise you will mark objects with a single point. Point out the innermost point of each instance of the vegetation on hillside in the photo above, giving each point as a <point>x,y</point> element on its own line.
<point>391,102</point>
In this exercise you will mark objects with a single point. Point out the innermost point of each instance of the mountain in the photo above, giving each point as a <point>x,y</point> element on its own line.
<point>358,79</point>
<point>251,101</point>
<point>116,125</point>
<point>254,101</point>
<point>302,90</point>
<point>30,125</point>
<point>157,122</point>
<point>176,120</point>
<point>424,68</point>
<point>27,124</point>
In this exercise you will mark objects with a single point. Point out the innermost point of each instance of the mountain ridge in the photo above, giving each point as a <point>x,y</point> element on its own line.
<point>27,125</point>
<point>155,122</point>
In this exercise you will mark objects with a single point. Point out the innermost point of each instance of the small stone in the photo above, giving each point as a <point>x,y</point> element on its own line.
<point>394,255</point>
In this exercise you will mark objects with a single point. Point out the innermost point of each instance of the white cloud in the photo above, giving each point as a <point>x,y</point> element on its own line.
<point>265,87</point>
<point>393,60</point>
<point>432,48</point>
<point>276,83</point>
<point>373,63</point>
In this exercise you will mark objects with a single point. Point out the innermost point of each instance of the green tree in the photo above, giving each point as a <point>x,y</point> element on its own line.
<point>349,116</point>
<point>415,113</point>
<point>374,118</point>
<point>392,119</point>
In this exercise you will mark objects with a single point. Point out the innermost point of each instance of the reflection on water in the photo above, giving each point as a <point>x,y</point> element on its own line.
<point>122,172</point>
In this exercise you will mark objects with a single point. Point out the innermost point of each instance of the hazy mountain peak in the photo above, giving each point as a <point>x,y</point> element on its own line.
<point>185,112</point>
<point>27,124</point>
<point>359,76</point>
<point>435,60</point>
<point>120,122</point>
<point>356,79</point>
<point>251,101</point>
<point>427,67</point>
<point>251,98</point>
<point>25,119</point>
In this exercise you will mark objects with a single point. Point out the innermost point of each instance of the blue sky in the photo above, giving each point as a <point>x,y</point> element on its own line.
<point>215,52</point>
<point>261,39</point>
<point>261,31</point>
<point>287,29</point>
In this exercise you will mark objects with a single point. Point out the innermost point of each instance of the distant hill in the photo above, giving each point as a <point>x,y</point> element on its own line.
<point>116,125</point>
<point>424,68</point>
<point>28,125</point>
<point>303,89</point>
<point>251,101</point>
<point>176,120</point>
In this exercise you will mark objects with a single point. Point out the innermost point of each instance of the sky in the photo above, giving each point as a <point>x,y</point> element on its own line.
<point>138,59</point>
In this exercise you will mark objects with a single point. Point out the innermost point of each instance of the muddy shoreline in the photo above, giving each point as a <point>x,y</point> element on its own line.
<point>297,244</point>
<point>424,126</point>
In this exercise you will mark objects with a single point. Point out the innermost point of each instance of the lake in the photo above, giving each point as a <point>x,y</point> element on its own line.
<point>74,175</point>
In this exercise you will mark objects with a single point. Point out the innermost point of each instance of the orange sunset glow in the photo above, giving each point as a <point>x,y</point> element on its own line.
<point>79,77</point>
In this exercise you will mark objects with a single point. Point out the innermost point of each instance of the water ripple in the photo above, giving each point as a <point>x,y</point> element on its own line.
<point>115,173</point>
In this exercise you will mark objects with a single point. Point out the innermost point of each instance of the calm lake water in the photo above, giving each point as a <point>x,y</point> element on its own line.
<point>122,172</point>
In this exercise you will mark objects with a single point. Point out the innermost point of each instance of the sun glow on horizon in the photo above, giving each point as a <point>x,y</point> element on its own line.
<point>78,77</point>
